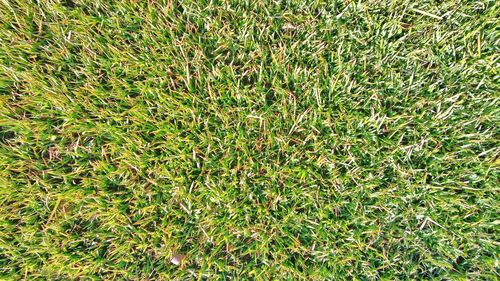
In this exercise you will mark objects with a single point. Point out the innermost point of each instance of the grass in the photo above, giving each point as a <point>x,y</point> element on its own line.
<point>282,140</point>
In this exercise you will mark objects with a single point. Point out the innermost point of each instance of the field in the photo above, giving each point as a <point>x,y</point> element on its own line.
<point>249,140</point>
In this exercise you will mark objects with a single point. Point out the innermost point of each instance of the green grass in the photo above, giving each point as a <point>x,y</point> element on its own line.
<point>263,140</point>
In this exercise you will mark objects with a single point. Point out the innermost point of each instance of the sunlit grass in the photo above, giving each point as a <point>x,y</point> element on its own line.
<point>214,140</point>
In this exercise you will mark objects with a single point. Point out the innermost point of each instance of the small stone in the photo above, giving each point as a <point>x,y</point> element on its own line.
<point>177,259</point>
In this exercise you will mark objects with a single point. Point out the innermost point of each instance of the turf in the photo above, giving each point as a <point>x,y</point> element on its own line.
<point>262,140</point>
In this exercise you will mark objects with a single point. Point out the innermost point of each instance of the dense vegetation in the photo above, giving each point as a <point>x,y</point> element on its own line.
<point>249,140</point>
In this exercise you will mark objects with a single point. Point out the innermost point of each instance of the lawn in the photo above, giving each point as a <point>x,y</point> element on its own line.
<point>249,140</point>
